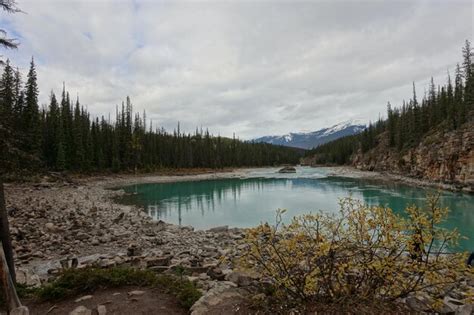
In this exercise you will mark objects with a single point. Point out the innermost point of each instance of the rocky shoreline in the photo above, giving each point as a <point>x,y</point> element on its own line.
<point>57,225</point>
<point>353,172</point>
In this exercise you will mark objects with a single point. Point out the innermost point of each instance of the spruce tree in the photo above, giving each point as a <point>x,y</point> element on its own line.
<point>7,93</point>
<point>78,160</point>
<point>51,140</point>
<point>468,65</point>
<point>31,118</point>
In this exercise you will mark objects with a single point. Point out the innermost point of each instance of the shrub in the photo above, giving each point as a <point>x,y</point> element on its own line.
<point>364,253</point>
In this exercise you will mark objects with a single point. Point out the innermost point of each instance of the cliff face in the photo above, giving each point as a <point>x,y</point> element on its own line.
<point>443,157</point>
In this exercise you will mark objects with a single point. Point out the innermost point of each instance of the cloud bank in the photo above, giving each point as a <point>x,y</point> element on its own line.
<point>250,67</point>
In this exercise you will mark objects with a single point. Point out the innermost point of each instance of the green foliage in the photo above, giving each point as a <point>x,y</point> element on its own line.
<point>74,281</point>
<point>64,137</point>
<point>364,254</point>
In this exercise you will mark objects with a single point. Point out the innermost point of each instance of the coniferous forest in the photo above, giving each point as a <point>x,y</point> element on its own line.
<point>63,136</point>
<point>445,107</point>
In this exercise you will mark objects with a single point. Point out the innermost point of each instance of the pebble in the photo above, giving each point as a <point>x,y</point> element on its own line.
<point>84,298</point>
<point>136,293</point>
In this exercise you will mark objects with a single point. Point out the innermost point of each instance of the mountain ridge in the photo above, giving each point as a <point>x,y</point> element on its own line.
<point>312,139</point>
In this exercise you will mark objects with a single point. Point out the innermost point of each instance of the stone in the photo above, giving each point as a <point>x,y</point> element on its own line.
<point>158,261</point>
<point>159,269</point>
<point>132,250</point>
<point>416,304</point>
<point>50,227</point>
<point>203,277</point>
<point>216,274</point>
<point>240,278</point>
<point>82,236</point>
<point>119,218</point>
<point>220,292</point>
<point>83,298</point>
<point>470,282</point>
<point>467,309</point>
<point>81,310</point>
<point>136,293</point>
<point>187,228</point>
<point>101,310</point>
<point>21,310</point>
<point>219,229</point>
<point>287,169</point>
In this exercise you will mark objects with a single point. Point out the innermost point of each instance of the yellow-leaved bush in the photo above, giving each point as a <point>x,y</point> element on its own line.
<point>363,252</point>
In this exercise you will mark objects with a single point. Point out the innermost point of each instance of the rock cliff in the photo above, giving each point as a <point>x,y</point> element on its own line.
<point>445,157</point>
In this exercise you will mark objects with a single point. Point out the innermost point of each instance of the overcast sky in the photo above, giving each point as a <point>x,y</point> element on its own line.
<point>253,67</point>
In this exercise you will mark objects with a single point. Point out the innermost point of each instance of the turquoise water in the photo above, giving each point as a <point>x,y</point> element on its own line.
<point>247,202</point>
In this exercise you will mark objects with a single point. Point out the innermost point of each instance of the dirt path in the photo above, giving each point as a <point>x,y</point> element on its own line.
<point>122,301</point>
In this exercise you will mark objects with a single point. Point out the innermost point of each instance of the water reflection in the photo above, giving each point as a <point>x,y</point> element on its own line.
<point>247,202</point>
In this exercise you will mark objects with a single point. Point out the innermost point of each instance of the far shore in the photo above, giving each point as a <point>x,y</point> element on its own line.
<point>112,181</point>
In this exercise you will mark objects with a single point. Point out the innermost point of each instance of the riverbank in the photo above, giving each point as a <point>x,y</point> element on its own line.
<point>76,223</point>
<point>56,220</point>
<point>52,220</point>
<point>352,172</point>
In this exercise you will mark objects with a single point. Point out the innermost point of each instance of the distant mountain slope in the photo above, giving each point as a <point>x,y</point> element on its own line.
<point>313,139</point>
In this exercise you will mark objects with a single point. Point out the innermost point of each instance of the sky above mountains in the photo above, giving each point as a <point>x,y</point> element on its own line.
<point>251,67</point>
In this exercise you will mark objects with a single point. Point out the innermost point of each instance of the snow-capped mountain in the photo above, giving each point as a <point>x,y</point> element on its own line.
<point>309,140</point>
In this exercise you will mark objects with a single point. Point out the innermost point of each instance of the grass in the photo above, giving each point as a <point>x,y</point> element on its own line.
<point>78,281</point>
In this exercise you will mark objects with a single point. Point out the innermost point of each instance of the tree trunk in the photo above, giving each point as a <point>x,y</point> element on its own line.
<point>5,234</point>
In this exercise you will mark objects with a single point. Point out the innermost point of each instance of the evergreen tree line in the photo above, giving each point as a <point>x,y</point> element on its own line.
<point>446,107</point>
<point>63,136</point>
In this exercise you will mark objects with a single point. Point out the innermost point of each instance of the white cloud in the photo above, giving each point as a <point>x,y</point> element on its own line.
<point>255,68</point>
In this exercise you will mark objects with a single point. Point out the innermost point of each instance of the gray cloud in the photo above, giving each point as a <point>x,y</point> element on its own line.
<point>255,67</point>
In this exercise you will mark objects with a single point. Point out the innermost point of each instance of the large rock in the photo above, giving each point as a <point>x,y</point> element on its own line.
<point>220,292</point>
<point>241,279</point>
<point>81,310</point>
<point>101,310</point>
<point>287,169</point>
<point>22,310</point>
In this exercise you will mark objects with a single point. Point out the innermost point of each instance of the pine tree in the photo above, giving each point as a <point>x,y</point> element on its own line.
<point>17,110</point>
<point>458,95</point>
<point>31,118</point>
<point>7,130</point>
<point>468,65</point>
<point>450,105</point>
<point>51,140</point>
<point>7,93</point>
<point>78,163</point>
